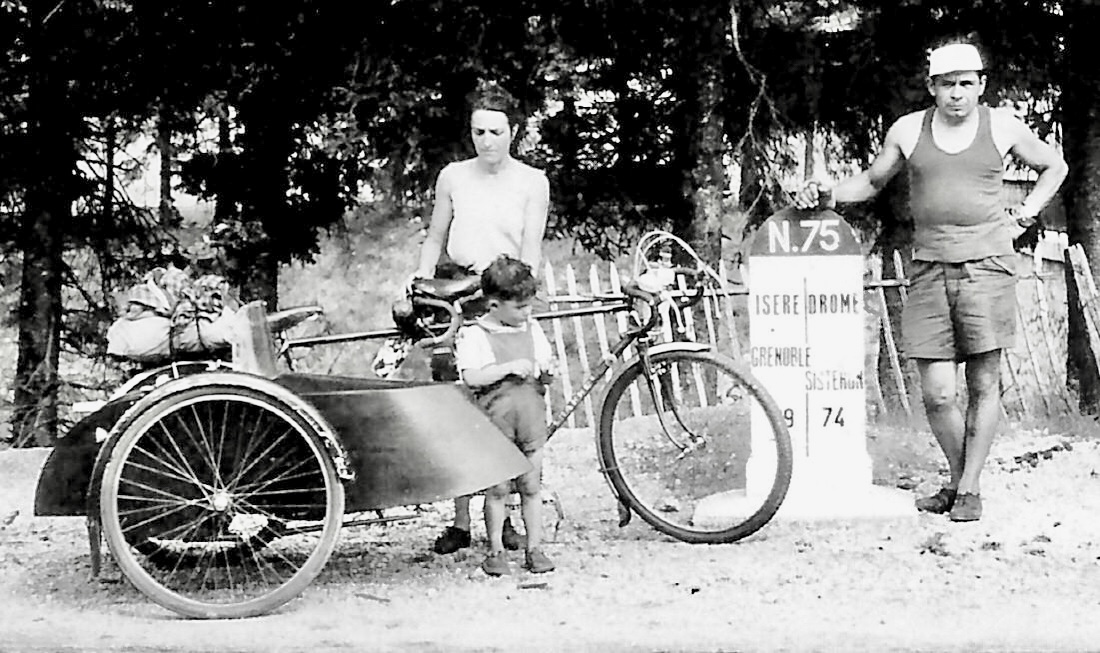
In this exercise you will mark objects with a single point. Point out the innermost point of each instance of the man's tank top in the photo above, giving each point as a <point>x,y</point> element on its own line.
<point>958,214</point>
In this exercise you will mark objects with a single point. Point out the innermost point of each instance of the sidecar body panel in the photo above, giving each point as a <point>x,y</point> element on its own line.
<point>408,442</point>
<point>63,483</point>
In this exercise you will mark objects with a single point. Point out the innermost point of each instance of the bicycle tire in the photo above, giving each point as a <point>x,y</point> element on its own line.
<point>201,482</point>
<point>672,481</point>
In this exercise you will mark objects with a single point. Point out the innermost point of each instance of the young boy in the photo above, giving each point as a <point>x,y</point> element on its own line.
<point>504,357</point>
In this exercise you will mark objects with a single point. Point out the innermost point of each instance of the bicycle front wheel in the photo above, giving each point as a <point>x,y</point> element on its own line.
<point>695,446</point>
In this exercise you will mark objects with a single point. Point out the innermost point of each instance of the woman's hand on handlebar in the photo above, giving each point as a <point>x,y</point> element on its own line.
<point>407,287</point>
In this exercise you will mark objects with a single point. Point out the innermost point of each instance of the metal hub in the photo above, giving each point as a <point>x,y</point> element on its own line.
<point>220,500</point>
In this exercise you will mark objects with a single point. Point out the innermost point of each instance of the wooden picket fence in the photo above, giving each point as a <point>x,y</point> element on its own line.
<point>581,342</point>
<point>1033,373</point>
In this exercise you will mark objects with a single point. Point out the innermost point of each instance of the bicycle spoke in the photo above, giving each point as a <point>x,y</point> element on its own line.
<point>256,459</point>
<point>150,488</point>
<point>189,481</point>
<point>183,472</point>
<point>179,452</point>
<point>201,444</point>
<point>284,476</point>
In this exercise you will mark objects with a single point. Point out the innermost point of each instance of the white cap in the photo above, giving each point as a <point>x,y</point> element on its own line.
<point>953,58</point>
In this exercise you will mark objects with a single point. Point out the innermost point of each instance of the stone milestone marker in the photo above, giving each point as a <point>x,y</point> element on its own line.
<point>806,325</point>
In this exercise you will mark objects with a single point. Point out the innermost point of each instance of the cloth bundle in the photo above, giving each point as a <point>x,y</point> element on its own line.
<point>170,313</point>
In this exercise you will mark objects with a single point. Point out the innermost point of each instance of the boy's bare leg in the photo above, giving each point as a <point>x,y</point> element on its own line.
<point>530,490</point>
<point>494,516</point>
<point>495,564</point>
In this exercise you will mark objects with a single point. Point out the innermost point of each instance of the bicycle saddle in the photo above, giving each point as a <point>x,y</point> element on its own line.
<point>447,289</point>
<point>288,317</point>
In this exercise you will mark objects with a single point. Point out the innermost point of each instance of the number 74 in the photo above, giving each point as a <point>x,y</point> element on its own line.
<point>833,416</point>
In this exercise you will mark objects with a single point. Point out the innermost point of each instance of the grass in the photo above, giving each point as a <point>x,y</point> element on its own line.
<point>359,273</point>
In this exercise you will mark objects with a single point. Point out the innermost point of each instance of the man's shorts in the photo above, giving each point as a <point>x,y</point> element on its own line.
<point>958,310</point>
<point>519,410</point>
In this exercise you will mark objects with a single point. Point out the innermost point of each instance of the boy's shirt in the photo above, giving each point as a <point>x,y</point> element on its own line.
<point>473,349</point>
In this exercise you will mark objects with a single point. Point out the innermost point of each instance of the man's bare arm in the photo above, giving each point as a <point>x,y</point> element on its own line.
<point>864,185</point>
<point>1030,150</point>
<point>867,184</point>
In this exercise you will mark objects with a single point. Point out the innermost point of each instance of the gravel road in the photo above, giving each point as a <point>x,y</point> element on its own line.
<point>1024,578</point>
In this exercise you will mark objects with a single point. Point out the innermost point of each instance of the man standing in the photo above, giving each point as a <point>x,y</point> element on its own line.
<point>962,294</point>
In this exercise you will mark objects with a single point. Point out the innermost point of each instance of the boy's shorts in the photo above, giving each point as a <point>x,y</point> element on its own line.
<point>958,310</point>
<point>519,411</point>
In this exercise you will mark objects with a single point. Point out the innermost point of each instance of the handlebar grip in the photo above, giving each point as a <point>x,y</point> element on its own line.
<point>452,328</point>
<point>694,275</point>
<point>631,289</point>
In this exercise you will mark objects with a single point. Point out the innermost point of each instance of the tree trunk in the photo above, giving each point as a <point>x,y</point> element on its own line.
<point>808,153</point>
<point>266,147</point>
<point>53,131</point>
<point>753,196</point>
<point>1080,104</point>
<point>167,213</point>
<point>708,28</point>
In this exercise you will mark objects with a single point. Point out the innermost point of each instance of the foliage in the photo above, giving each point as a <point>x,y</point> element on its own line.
<point>314,105</point>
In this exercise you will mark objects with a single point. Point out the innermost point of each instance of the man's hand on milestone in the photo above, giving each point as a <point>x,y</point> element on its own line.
<point>814,195</point>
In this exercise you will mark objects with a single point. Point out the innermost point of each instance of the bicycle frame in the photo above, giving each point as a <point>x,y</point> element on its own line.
<point>640,338</point>
<point>637,336</point>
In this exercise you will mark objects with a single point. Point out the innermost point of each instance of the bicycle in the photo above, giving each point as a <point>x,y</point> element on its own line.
<point>677,423</point>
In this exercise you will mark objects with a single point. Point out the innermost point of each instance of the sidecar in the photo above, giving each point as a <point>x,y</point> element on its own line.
<point>220,489</point>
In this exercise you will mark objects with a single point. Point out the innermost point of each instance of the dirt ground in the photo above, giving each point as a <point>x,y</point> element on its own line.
<point>1024,578</point>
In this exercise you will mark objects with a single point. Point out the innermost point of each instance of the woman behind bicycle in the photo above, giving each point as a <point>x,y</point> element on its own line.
<point>485,206</point>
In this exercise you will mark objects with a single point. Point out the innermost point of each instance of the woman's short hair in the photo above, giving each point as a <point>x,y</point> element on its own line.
<point>491,96</point>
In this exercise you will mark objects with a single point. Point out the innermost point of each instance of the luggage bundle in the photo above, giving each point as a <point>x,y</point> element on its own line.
<point>170,315</point>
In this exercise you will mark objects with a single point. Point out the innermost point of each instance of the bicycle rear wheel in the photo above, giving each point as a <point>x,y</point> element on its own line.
<point>695,446</point>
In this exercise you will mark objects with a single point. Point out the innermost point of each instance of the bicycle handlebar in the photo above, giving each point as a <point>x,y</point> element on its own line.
<point>452,309</point>
<point>630,289</point>
<point>634,291</point>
